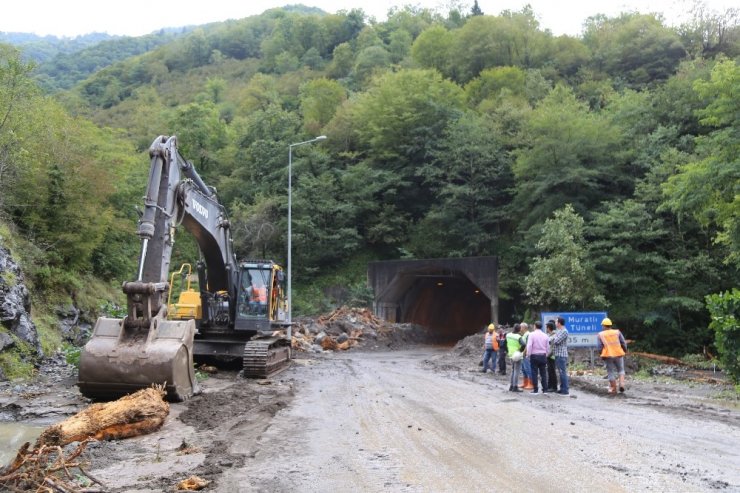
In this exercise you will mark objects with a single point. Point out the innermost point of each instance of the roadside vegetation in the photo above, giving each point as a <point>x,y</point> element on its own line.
<point>602,169</point>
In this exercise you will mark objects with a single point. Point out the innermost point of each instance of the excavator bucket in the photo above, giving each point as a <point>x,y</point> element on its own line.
<point>118,360</point>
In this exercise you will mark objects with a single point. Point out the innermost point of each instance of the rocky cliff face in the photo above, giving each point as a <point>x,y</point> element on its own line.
<point>15,307</point>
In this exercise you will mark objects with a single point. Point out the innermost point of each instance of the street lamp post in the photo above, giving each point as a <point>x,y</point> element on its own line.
<point>290,224</point>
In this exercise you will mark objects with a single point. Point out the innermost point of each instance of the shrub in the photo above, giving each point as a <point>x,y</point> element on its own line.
<point>72,354</point>
<point>17,362</point>
<point>724,308</point>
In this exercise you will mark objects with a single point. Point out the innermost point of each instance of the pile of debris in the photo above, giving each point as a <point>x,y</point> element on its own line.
<point>47,466</point>
<point>347,328</point>
<point>470,345</point>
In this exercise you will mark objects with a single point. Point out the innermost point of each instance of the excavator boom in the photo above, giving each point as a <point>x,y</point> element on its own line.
<point>147,347</point>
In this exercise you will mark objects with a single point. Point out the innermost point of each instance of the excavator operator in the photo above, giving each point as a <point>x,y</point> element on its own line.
<point>258,298</point>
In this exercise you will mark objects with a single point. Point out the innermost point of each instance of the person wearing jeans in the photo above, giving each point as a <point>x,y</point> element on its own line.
<point>526,364</point>
<point>537,347</point>
<point>560,350</point>
<point>552,377</point>
<point>514,348</point>
<point>490,349</point>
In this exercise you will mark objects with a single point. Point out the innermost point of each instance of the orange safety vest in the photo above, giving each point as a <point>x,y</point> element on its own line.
<point>259,294</point>
<point>610,340</point>
<point>262,294</point>
<point>491,338</point>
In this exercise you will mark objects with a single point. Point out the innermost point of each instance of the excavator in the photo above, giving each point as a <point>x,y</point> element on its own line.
<point>238,312</point>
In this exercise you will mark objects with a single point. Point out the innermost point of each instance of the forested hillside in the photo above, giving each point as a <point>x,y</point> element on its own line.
<point>42,48</point>
<point>60,63</point>
<point>603,170</point>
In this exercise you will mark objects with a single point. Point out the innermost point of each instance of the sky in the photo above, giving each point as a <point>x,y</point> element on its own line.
<point>71,18</point>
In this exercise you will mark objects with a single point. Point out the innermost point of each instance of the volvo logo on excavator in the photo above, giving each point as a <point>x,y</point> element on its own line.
<point>200,209</point>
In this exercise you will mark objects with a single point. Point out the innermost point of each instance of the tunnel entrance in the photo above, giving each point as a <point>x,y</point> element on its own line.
<point>452,298</point>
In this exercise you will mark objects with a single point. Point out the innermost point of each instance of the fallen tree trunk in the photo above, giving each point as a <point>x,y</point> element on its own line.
<point>658,357</point>
<point>135,414</point>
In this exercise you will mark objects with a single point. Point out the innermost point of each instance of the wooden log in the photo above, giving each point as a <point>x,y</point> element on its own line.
<point>135,414</point>
<point>659,357</point>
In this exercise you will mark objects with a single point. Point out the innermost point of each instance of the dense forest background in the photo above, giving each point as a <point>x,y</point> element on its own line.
<point>603,170</point>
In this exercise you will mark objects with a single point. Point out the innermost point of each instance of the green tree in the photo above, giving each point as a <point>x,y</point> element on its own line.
<point>472,181</point>
<point>400,45</point>
<point>431,49</point>
<point>493,80</point>
<point>17,94</point>
<point>261,155</point>
<point>570,158</point>
<point>201,133</point>
<point>707,186</point>
<point>636,47</point>
<point>257,228</point>
<point>402,112</point>
<point>562,277</point>
<point>725,312</point>
<point>320,99</point>
<point>512,39</point>
<point>628,246</point>
<point>371,61</point>
<point>396,124</point>
<point>342,61</point>
<point>569,55</point>
<point>324,223</point>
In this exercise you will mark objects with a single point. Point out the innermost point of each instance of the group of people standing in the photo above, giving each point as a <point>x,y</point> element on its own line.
<point>542,358</point>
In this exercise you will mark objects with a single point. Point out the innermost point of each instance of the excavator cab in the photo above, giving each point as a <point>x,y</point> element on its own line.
<point>261,301</point>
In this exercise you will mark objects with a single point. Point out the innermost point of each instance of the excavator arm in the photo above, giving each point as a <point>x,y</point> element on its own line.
<point>176,195</point>
<point>146,347</point>
<point>124,355</point>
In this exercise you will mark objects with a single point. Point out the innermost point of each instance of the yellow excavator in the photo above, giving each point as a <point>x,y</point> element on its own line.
<point>238,312</point>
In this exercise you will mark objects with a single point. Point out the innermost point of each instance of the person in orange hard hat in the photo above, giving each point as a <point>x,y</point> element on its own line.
<point>490,349</point>
<point>613,347</point>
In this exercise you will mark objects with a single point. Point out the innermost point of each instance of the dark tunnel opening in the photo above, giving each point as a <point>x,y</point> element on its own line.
<point>451,307</point>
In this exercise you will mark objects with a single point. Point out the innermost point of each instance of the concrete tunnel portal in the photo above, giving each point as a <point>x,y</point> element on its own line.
<point>452,298</point>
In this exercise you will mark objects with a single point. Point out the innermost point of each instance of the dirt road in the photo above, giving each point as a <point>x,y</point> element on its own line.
<point>418,420</point>
<point>395,422</point>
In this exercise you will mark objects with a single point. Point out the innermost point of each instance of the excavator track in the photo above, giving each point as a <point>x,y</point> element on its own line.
<point>265,357</point>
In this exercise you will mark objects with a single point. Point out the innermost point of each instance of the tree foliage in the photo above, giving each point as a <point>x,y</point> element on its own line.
<point>561,277</point>
<point>637,47</point>
<point>725,312</point>
<point>472,180</point>
<point>570,158</point>
<point>708,186</point>
<point>604,164</point>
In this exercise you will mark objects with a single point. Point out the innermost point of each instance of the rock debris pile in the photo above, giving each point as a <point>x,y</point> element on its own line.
<point>347,328</point>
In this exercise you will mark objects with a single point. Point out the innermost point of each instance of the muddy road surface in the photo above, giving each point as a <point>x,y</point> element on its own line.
<point>420,420</point>
<point>401,422</point>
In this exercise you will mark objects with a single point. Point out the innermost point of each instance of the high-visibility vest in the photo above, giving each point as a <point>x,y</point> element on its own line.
<point>491,341</point>
<point>513,343</point>
<point>259,294</point>
<point>610,340</point>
